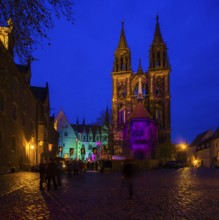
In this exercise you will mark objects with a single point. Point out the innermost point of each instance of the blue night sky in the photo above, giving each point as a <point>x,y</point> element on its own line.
<point>79,62</point>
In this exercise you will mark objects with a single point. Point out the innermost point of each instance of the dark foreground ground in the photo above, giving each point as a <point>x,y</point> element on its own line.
<point>186,193</point>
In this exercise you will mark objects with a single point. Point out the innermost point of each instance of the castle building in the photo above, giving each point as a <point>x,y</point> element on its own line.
<point>81,141</point>
<point>24,112</point>
<point>155,86</point>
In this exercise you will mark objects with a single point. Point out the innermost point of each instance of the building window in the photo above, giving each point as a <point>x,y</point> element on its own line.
<point>90,147</point>
<point>14,112</point>
<point>63,144</point>
<point>90,137</point>
<point>97,137</point>
<point>84,137</point>
<point>66,134</point>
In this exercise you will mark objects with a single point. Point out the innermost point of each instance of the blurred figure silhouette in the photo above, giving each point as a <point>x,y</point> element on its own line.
<point>42,174</point>
<point>52,174</point>
<point>127,176</point>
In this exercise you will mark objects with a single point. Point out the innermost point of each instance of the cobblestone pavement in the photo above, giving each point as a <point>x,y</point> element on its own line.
<point>186,193</point>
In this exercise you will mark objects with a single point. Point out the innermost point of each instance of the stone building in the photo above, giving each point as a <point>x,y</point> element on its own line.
<point>155,84</point>
<point>204,150</point>
<point>20,124</point>
<point>81,141</point>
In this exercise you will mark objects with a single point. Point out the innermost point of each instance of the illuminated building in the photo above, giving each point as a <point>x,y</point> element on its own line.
<point>81,141</point>
<point>204,150</point>
<point>24,113</point>
<point>155,85</point>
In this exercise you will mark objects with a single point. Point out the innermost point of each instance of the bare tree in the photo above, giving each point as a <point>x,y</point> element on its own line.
<point>31,20</point>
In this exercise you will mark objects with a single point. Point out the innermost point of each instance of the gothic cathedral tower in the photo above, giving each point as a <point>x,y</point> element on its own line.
<point>155,87</point>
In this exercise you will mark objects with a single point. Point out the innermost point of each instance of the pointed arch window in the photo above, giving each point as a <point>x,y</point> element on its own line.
<point>158,59</point>
<point>121,64</point>
<point>164,59</point>
<point>117,64</point>
<point>126,63</point>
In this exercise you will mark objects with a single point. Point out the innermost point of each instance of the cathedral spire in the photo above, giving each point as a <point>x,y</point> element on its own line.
<point>122,61</point>
<point>157,34</point>
<point>140,71</point>
<point>122,41</point>
<point>158,50</point>
<point>107,117</point>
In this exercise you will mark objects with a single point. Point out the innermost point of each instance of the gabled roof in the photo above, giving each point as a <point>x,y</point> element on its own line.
<point>140,112</point>
<point>40,93</point>
<point>216,133</point>
<point>87,128</point>
<point>199,138</point>
<point>204,144</point>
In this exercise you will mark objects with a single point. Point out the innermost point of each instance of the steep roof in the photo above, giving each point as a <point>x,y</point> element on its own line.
<point>122,42</point>
<point>140,112</point>
<point>81,128</point>
<point>199,138</point>
<point>157,34</point>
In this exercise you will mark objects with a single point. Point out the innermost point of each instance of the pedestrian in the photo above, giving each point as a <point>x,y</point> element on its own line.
<point>127,176</point>
<point>52,174</point>
<point>59,173</point>
<point>42,169</point>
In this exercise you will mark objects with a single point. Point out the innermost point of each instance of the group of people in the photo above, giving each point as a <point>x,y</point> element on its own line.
<point>50,172</point>
<point>77,167</point>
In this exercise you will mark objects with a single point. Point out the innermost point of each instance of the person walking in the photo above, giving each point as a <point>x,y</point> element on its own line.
<point>59,173</point>
<point>42,174</point>
<point>52,174</point>
<point>127,176</point>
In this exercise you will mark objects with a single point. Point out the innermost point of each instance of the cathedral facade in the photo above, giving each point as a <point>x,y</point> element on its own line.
<point>154,92</point>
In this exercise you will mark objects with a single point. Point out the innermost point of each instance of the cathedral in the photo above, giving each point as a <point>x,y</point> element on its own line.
<point>141,100</point>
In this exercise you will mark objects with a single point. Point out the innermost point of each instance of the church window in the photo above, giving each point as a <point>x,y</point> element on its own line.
<point>121,64</point>
<point>164,59</point>
<point>158,59</point>
<point>117,64</point>
<point>153,60</point>
<point>126,63</point>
